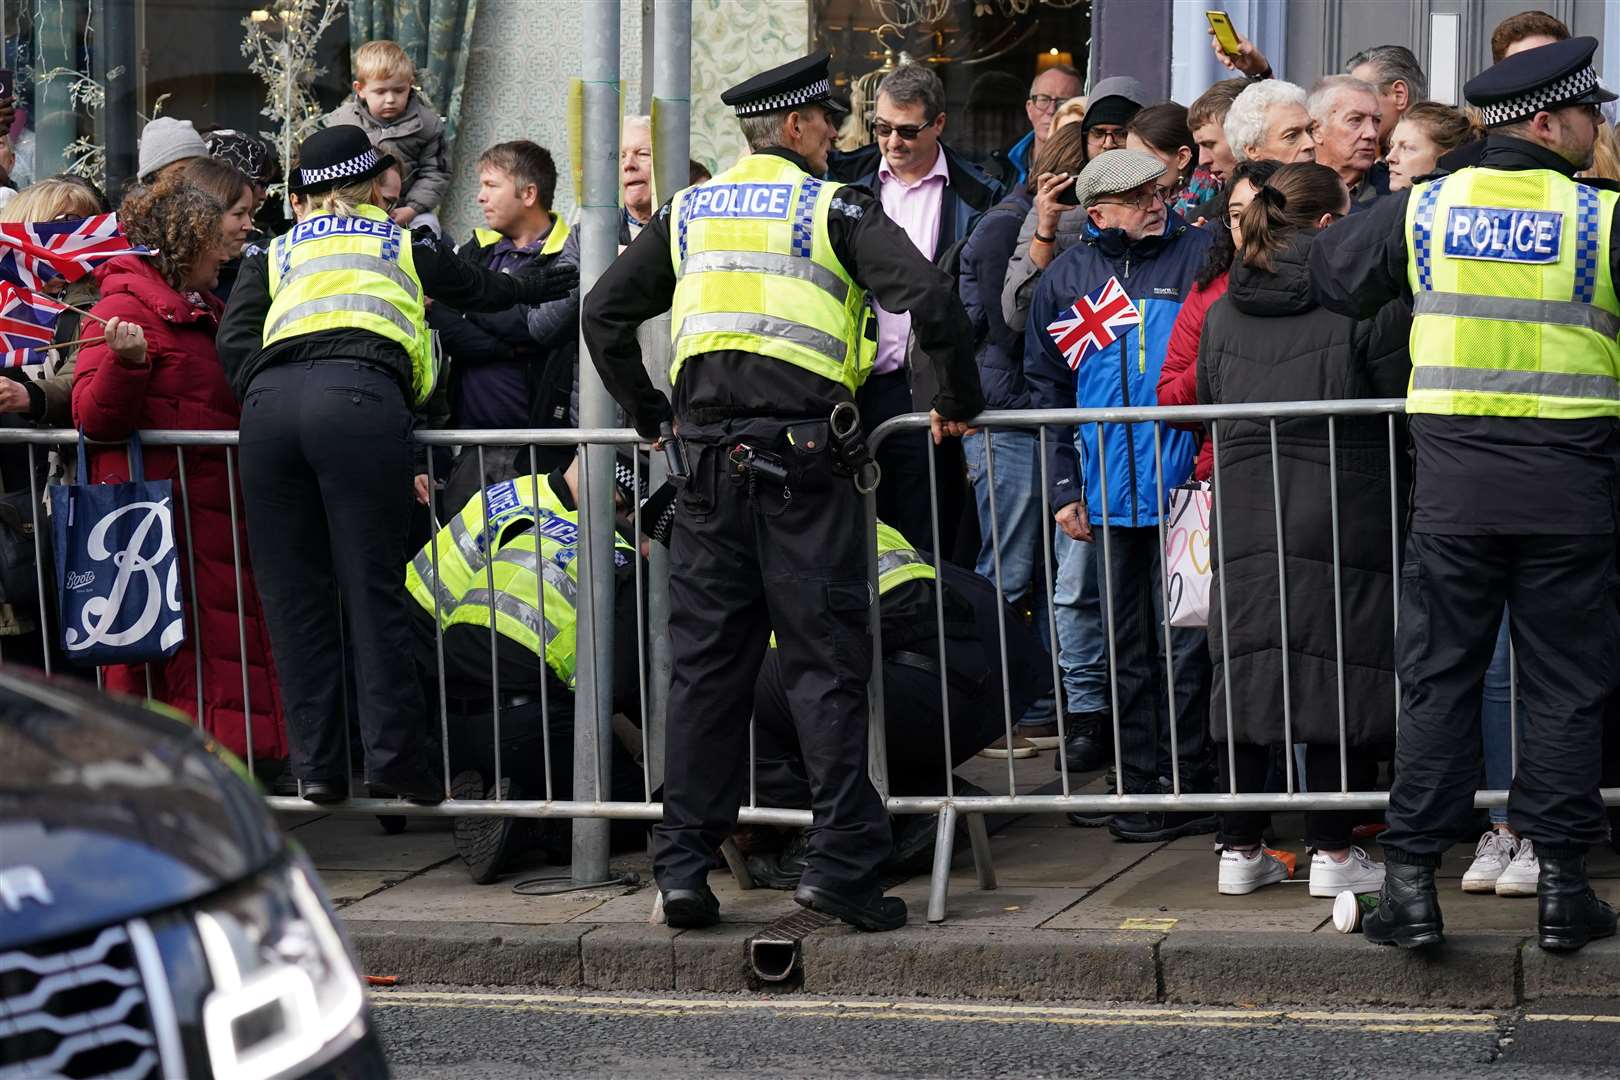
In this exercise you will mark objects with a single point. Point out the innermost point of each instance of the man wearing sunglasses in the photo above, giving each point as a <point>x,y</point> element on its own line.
<point>934,195</point>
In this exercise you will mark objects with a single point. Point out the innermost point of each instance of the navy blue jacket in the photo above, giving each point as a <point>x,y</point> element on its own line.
<point>1156,272</point>
<point>1000,351</point>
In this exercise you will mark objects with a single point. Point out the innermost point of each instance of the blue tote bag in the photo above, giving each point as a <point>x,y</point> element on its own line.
<point>117,570</point>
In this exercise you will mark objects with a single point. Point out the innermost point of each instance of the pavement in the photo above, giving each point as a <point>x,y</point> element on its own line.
<point>1077,916</point>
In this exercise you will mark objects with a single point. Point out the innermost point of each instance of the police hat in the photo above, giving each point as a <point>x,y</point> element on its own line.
<point>336,156</point>
<point>804,81</point>
<point>1549,77</point>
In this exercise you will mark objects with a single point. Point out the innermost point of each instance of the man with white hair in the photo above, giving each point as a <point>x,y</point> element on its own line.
<point>1269,121</point>
<point>635,175</point>
<point>1345,119</point>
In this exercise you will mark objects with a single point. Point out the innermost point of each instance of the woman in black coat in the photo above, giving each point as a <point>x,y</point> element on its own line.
<point>1267,340</point>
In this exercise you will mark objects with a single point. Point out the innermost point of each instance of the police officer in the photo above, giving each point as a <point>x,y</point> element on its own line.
<point>767,269</point>
<point>325,342</point>
<point>1511,267</point>
<point>508,560</point>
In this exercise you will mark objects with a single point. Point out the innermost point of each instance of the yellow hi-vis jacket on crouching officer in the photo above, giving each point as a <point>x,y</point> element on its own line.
<point>763,269</point>
<point>1514,402</point>
<point>324,341</point>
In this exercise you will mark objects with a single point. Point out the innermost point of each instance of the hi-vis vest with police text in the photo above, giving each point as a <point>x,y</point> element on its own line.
<point>755,272</point>
<point>350,273</point>
<point>1514,311</point>
<point>530,582</point>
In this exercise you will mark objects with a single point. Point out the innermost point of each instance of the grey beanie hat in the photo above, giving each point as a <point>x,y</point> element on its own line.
<point>165,141</point>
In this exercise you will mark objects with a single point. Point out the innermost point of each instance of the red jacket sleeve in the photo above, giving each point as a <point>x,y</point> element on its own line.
<point>109,395</point>
<point>1178,381</point>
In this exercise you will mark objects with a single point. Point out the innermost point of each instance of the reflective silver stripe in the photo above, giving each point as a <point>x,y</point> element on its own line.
<point>736,322</point>
<point>510,606</point>
<point>1515,309</point>
<point>424,570</point>
<point>467,543</point>
<point>371,264</point>
<point>895,560</point>
<point>549,572</point>
<point>356,302</point>
<point>1500,381</point>
<point>767,262</point>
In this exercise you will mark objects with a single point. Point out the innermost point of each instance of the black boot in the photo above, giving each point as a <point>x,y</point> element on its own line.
<point>1408,912</point>
<point>1090,742</point>
<point>1570,912</point>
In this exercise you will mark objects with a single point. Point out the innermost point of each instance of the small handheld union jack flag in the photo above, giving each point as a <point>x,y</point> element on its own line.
<point>34,252</point>
<point>1094,322</point>
<point>27,325</point>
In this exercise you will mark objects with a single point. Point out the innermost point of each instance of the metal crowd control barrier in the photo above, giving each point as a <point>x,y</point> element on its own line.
<point>591,752</point>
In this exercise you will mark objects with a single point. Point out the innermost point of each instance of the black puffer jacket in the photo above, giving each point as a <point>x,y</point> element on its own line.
<point>1267,340</point>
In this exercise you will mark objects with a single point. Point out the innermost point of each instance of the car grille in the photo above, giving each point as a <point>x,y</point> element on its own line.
<point>76,1007</point>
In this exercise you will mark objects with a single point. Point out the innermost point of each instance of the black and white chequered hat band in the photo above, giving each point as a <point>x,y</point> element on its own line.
<point>355,166</point>
<point>816,91</point>
<point>1543,97</point>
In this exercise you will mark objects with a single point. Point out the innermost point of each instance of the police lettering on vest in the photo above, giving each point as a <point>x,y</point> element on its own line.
<point>327,225</point>
<point>1504,234</point>
<point>742,200</point>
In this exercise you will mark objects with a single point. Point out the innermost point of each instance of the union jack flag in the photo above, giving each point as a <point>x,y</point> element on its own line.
<point>27,325</point>
<point>1094,322</point>
<point>34,252</point>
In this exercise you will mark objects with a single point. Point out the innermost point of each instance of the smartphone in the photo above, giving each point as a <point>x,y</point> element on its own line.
<point>1224,32</point>
<point>8,81</point>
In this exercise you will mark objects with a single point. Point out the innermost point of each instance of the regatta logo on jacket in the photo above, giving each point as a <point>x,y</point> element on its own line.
<point>741,201</point>
<point>1093,323</point>
<point>1504,235</point>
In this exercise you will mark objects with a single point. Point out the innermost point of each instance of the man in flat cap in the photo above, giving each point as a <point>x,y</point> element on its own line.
<point>1098,329</point>
<point>1515,390</point>
<point>767,270</point>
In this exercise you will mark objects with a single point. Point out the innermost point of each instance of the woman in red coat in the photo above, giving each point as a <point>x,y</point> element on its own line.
<point>157,368</point>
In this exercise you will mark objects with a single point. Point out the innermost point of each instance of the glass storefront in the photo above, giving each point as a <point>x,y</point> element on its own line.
<point>984,51</point>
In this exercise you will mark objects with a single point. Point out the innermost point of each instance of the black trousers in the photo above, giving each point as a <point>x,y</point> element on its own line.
<point>326,483</point>
<point>902,497</point>
<point>1565,597</point>
<point>749,557</point>
<point>1328,829</point>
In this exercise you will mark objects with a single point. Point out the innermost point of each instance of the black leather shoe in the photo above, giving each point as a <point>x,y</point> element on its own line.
<point>873,913</point>
<point>324,791</point>
<point>1570,912</point>
<point>781,869</point>
<point>691,909</point>
<point>423,789</point>
<point>1149,827</point>
<point>487,844</point>
<point>1408,912</point>
<point>1090,744</point>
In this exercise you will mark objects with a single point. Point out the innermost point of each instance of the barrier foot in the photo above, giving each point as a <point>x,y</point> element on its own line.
<point>983,865</point>
<point>944,848</point>
<point>737,864</point>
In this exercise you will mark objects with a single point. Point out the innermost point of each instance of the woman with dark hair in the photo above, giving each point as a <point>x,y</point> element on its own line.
<point>233,190</point>
<point>157,368</point>
<point>1178,380</point>
<point>1161,130</point>
<point>1267,340</point>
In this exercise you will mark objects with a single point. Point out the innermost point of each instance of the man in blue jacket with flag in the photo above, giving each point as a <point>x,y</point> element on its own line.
<point>1096,337</point>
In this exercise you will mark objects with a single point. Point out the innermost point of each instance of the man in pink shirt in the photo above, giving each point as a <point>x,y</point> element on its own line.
<point>933,195</point>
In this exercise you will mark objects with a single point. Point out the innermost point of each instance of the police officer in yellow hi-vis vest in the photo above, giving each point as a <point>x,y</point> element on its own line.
<point>766,270</point>
<point>325,342</point>
<point>515,568</point>
<point>1511,267</point>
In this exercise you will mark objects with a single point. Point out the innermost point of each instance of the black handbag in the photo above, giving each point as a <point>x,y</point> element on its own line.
<point>19,574</point>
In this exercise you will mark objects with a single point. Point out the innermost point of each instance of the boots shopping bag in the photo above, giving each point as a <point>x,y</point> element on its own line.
<point>1186,554</point>
<point>117,570</point>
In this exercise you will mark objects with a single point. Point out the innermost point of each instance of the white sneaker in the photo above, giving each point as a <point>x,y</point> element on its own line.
<point>1522,874</point>
<point>1242,874</point>
<point>1357,873</point>
<point>1491,857</point>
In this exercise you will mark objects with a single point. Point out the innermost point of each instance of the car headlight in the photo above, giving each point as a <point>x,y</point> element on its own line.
<point>286,991</point>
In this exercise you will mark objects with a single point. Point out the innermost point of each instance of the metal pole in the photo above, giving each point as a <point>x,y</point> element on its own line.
<point>672,138</point>
<point>599,244</point>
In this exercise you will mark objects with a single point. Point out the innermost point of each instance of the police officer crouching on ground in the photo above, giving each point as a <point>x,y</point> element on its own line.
<point>326,343</point>
<point>1515,390</point>
<point>519,563</point>
<point>767,270</point>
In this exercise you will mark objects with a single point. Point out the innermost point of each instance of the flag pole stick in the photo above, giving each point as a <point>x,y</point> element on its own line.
<point>82,311</point>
